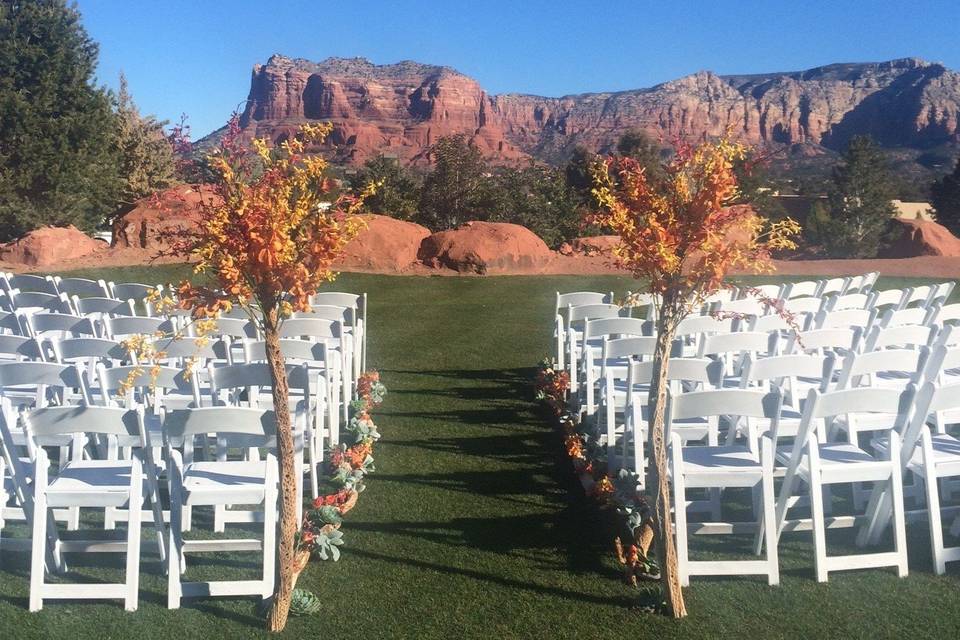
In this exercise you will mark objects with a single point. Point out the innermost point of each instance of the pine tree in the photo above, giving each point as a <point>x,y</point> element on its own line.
<point>146,157</point>
<point>58,163</point>
<point>459,188</point>
<point>946,199</point>
<point>859,201</point>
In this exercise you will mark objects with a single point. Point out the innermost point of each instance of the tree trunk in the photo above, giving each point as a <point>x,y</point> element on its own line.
<point>283,585</point>
<point>657,470</point>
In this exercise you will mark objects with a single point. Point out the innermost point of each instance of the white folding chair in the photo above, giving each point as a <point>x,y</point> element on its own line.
<point>591,347</point>
<point>804,289</point>
<point>821,465</point>
<point>357,302</point>
<point>82,287</point>
<point>935,458</point>
<point>719,467</point>
<point>220,483</point>
<point>91,483</point>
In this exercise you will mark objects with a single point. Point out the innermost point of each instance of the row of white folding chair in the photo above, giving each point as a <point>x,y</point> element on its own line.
<point>564,302</point>
<point>832,286</point>
<point>53,375</point>
<point>35,301</point>
<point>357,305</point>
<point>117,483</point>
<point>83,287</point>
<point>751,464</point>
<point>835,452</point>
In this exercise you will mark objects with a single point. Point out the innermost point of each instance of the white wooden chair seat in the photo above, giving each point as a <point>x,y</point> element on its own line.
<point>231,482</point>
<point>836,460</point>
<point>721,460</point>
<point>91,483</point>
<point>946,454</point>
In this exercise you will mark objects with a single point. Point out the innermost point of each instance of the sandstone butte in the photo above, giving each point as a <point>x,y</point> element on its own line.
<point>401,109</point>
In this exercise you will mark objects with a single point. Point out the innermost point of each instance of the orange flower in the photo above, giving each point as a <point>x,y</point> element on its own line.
<point>574,446</point>
<point>603,488</point>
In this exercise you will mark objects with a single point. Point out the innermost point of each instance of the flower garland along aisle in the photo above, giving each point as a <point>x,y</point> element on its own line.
<point>634,535</point>
<point>320,534</point>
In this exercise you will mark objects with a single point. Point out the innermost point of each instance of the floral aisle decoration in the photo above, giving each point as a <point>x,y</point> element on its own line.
<point>634,536</point>
<point>320,534</point>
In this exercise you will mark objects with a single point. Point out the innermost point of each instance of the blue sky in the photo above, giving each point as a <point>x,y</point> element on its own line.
<point>195,57</point>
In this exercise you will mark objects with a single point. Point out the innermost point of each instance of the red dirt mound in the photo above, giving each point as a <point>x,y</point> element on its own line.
<point>167,211</point>
<point>921,238</point>
<point>387,245</point>
<point>487,248</point>
<point>49,246</point>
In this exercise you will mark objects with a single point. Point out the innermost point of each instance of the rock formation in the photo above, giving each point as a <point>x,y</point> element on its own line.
<point>386,245</point>
<point>48,246</point>
<point>401,109</point>
<point>912,238</point>
<point>486,248</point>
<point>144,226</point>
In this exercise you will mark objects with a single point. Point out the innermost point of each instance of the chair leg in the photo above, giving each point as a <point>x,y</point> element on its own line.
<point>819,532</point>
<point>899,517</point>
<point>269,541</point>
<point>133,543</point>
<point>936,526</point>
<point>38,550</point>
<point>73,522</point>
<point>770,528</point>
<point>219,518</point>
<point>174,552</point>
<point>680,518</point>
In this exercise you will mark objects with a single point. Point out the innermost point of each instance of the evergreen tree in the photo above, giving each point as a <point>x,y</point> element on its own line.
<point>859,201</point>
<point>537,197</point>
<point>578,173</point>
<point>146,157</point>
<point>398,193</point>
<point>637,145</point>
<point>946,199</point>
<point>58,162</point>
<point>459,188</point>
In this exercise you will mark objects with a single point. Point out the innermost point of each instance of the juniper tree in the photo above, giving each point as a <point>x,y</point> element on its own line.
<point>859,201</point>
<point>145,155</point>
<point>58,163</point>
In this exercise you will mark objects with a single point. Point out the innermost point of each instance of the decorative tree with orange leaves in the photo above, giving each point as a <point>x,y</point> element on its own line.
<point>267,238</point>
<point>679,236</point>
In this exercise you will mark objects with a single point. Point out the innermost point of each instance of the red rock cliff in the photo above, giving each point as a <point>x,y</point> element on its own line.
<point>401,109</point>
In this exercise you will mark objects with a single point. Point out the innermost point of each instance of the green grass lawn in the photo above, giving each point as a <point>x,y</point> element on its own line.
<point>473,525</point>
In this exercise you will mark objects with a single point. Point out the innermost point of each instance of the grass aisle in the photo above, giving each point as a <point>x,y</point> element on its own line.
<point>472,526</point>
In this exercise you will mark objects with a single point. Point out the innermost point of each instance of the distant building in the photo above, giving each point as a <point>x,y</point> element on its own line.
<point>798,207</point>
<point>913,210</point>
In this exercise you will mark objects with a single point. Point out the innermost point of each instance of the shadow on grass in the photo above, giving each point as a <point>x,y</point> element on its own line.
<point>606,600</point>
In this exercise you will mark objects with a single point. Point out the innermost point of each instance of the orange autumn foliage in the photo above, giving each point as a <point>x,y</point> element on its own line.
<point>272,229</point>
<point>676,230</point>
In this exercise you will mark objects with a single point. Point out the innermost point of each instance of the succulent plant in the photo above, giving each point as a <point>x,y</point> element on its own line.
<point>304,603</point>
<point>363,428</point>
<point>329,514</point>
<point>326,544</point>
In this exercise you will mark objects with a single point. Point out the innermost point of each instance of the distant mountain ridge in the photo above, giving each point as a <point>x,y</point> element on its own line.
<point>401,109</point>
